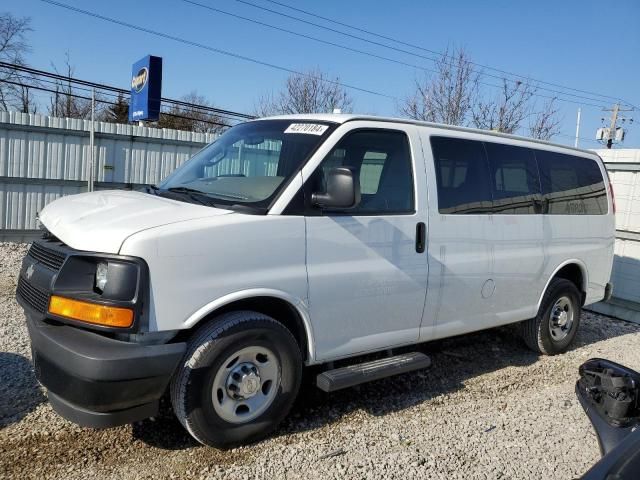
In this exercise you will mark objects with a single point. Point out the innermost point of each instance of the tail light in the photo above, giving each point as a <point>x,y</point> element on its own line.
<point>613,197</point>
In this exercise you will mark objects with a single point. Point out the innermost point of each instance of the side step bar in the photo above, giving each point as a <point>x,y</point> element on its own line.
<point>345,377</point>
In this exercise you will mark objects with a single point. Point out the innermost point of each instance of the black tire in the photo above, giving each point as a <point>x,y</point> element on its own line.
<point>192,384</point>
<point>536,332</point>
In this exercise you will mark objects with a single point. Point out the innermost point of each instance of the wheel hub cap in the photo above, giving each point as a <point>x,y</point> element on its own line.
<point>243,381</point>
<point>561,319</point>
<point>246,384</point>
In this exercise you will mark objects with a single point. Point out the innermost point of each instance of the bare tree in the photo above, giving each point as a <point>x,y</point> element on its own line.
<point>24,99</point>
<point>68,101</point>
<point>507,111</point>
<point>309,92</point>
<point>545,124</point>
<point>446,96</point>
<point>14,91</point>
<point>190,117</point>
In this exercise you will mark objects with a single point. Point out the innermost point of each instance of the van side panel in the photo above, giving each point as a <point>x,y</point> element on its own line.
<point>490,267</point>
<point>484,270</point>
<point>589,239</point>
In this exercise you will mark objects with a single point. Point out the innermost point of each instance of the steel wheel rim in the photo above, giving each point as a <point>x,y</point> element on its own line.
<point>561,318</point>
<point>246,384</point>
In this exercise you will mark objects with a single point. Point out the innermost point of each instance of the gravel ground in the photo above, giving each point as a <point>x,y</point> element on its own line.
<point>487,408</point>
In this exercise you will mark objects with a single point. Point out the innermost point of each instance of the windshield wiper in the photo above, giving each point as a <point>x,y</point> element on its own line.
<point>152,189</point>
<point>193,194</point>
<point>229,195</point>
<point>185,190</point>
<point>250,209</point>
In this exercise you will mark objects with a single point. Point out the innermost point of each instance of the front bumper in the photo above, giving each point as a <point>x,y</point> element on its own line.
<point>92,379</point>
<point>96,381</point>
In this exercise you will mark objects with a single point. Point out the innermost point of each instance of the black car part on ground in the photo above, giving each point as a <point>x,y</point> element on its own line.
<point>610,395</point>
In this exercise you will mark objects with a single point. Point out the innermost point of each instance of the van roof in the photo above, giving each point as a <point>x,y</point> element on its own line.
<point>348,117</point>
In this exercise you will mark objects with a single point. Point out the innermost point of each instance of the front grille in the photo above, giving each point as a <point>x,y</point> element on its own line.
<point>38,299</point>
<point>49,258</point>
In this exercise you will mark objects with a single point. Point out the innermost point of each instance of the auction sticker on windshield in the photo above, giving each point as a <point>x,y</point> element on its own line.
<point>308,128</point>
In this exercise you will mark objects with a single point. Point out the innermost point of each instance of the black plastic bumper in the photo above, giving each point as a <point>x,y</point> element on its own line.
<point>96,381</point>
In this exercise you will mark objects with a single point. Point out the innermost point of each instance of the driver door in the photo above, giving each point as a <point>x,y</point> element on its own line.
<point>367,279</point>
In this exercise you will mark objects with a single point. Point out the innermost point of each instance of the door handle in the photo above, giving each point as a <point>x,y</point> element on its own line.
<point>421,237</point>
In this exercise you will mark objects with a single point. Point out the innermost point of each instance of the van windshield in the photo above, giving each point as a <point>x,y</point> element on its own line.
<point>247,166</point>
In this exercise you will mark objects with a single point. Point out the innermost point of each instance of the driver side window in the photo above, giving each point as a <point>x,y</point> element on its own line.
<point>381,160</point>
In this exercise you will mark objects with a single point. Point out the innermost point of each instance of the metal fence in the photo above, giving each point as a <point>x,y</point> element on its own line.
<point>43,158</point>
<point>624,170</point>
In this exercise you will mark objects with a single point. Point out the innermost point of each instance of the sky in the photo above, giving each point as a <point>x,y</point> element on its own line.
<point>573,43</point>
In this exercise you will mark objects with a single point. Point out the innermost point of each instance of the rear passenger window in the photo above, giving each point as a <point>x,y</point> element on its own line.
<point>462,176</point>
<point>514,179</point>
<point>572,185</point>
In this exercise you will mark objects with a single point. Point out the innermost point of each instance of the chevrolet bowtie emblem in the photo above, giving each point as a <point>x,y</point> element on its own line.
<point>29,272</point>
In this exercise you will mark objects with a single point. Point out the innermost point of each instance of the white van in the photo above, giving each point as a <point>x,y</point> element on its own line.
<point>301,240</point>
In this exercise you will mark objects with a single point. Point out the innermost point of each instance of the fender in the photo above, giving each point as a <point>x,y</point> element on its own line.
<point>583,269</point>
<point>296,303</point>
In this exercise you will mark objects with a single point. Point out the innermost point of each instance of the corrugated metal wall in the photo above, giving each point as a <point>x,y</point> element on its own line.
<point>43,158</point>
<point>623,166</point>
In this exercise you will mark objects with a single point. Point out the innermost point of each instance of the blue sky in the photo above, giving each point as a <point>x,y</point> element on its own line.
<point>579,44</point>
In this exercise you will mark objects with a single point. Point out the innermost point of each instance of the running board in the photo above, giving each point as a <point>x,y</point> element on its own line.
<point>345,377</point>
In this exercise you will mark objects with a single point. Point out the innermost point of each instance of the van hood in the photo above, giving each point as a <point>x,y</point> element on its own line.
<point>102,221</point>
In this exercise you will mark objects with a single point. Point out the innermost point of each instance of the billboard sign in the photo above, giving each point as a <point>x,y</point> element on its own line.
<point>146,89</point>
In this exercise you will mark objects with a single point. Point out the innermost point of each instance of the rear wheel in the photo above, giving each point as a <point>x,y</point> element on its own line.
<point>555,326</point>
<point>239,378</point>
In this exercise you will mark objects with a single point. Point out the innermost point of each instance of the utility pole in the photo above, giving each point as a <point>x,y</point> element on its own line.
<point>615,113</point>
<point>92,133</point>
<point>577,128</point>
<point>614,121</point>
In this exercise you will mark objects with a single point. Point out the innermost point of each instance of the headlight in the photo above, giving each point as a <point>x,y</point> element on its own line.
<point>102,271</point>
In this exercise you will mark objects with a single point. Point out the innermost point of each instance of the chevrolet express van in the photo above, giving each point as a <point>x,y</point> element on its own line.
<point>301,240</point>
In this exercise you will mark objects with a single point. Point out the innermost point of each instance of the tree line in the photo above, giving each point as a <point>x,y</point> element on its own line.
<point>452,94</point>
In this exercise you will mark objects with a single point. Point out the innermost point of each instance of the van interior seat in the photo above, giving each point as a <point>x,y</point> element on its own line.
<point>395,190</point>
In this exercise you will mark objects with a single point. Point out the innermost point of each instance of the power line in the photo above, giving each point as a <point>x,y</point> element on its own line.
<point>113,91</point>
<point>263,63</point>
<point>58,83</point>
<point>401,42</point>
<point>99,100</point>
<point>212,49</point>
<point>370,54</point>
<point>310,37</point>
<point>584,139</point>
<point>102,86</point>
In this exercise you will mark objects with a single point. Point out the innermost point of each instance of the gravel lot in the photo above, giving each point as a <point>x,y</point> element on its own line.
<point>487,408</point>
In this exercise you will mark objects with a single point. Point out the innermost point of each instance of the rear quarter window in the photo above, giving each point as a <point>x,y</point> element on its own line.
<point>571,185</point>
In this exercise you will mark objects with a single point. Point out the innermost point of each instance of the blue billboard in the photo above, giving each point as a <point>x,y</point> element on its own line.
<point>146,89</point>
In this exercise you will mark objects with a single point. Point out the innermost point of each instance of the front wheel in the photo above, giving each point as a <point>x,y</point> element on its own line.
<point>239,378</point>
<point>556,324</point>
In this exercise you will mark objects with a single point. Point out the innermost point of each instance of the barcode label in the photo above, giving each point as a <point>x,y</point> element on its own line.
<point>308,128</point>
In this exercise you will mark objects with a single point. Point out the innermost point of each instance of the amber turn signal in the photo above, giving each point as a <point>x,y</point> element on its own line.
<point>91,312</point>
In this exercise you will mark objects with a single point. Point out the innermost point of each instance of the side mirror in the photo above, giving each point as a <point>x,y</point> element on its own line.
<point>343,190</point>
<point>610,395</point>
